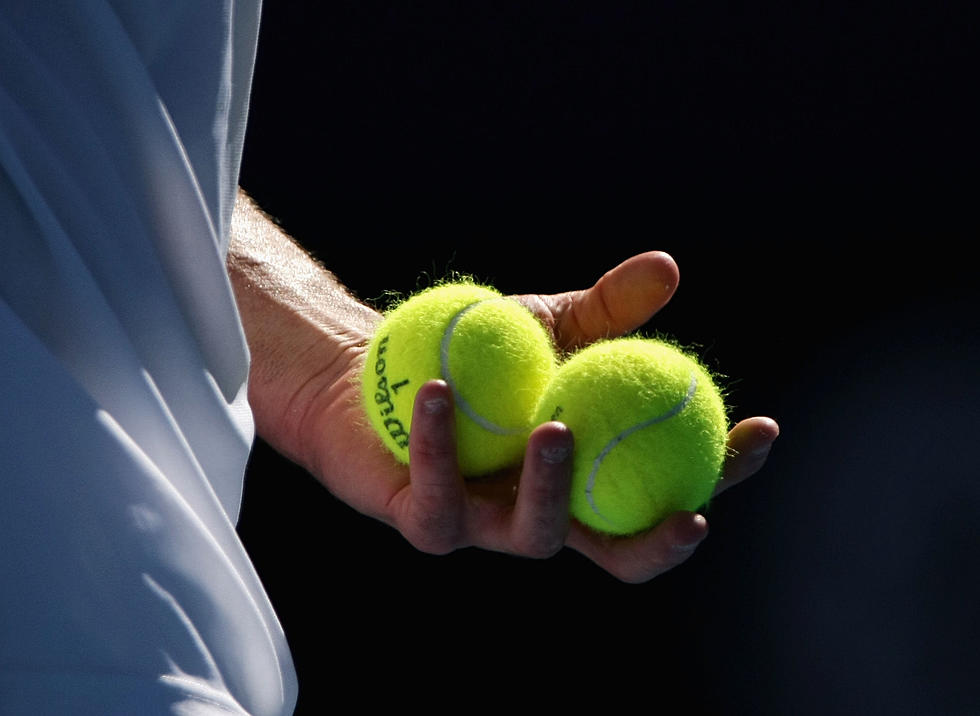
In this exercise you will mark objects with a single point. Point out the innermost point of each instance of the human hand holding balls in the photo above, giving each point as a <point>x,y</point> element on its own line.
<point>649,422</point>
<point>522,510</point>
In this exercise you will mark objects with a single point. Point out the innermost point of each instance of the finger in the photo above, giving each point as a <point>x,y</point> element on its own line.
<point>749,444</point>
<point>622,300</point>
<point>540,519</point>
<point>642,557</point>
<point>438,496</point>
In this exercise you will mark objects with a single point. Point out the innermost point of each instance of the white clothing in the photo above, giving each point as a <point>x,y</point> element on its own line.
<point>124,427</point>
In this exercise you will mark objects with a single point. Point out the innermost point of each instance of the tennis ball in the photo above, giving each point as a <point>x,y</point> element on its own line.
<point>650,429</point>
<point>492,351</point>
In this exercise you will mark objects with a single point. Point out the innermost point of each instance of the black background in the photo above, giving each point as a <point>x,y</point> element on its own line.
<point>812,169</point>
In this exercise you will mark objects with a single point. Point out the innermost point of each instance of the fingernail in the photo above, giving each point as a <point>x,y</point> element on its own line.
<point>435,406</point>
<point>691,543</point>
<point>555,455</point>
<point>686,547</point>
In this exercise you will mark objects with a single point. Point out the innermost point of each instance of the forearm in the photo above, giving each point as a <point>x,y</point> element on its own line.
<point>303,327</point>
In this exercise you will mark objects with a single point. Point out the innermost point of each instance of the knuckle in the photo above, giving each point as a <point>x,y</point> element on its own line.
<point>435,530</point>
<point>541,542</point>
<point>546,491</point>
<point>435,448</point>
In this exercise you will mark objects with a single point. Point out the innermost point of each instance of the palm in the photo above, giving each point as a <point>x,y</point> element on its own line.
<point>362,473</point>
<point>355,468</point>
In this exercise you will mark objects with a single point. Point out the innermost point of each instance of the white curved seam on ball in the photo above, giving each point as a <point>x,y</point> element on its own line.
<point>461,402</point>
<point>597,463</point>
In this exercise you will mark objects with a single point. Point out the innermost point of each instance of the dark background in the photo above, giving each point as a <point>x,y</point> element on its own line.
<point>812,169</point>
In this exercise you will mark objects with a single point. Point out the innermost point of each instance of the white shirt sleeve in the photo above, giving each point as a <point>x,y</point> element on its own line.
<point>124,427</point>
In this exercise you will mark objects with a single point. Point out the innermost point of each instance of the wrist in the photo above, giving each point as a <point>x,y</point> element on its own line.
<point>306,333</point>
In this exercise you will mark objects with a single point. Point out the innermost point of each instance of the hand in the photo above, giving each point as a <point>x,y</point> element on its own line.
<point>523,511</point>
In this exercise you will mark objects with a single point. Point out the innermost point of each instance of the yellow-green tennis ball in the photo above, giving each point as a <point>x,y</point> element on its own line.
<point>650,429</point>
<point>494,353</point>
